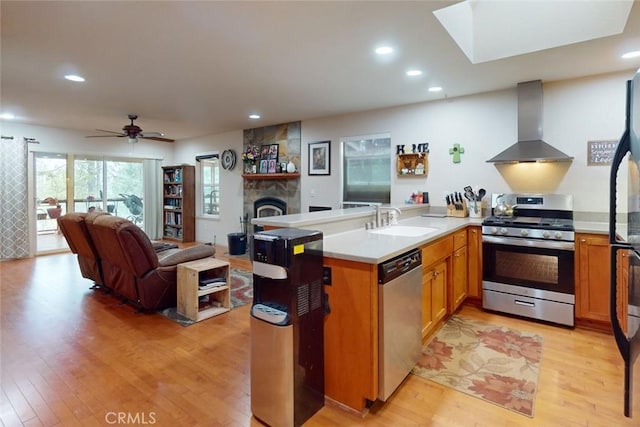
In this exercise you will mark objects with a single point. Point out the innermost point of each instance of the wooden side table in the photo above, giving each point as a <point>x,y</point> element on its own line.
<point>204,288</point>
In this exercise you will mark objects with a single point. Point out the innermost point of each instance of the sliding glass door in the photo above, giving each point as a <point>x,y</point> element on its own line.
<point>51,201</point>
<point>91,182</point>
<point>120,180</point>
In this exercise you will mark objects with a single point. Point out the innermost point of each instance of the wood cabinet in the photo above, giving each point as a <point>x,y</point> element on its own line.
<point>474,264</point>
<point>592,280</point>
<point>458,286</point>
<point>435,282</point>
<point>351,333</point>
<point>434,297</point>
<point>178,203</point>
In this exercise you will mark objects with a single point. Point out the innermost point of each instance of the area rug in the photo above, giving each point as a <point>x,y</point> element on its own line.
<point>493,363</point>
<point>241,294</point>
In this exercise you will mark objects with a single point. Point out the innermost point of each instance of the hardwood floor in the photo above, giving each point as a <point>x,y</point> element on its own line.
<point>72,356</point>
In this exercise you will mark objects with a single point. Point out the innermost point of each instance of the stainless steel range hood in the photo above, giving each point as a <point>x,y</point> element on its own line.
<point>530,146</point>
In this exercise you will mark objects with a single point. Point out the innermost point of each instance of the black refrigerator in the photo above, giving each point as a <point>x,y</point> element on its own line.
<point>624,237</point>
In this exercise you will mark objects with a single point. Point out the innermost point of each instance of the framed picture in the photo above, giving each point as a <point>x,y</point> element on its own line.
<point>600,153</point>
<point>320,158</point>
<point>272,166</point>
<point>264,152</point>
<point>264,166</point>
<point>273,152</point>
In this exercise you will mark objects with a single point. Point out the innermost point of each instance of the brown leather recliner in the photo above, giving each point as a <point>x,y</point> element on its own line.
<point>127,258</point>
<point>74,230</point>
<point>132,268</point>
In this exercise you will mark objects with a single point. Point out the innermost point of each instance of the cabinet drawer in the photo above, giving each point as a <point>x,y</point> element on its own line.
<point>459,239</point>
<point>437,250</point>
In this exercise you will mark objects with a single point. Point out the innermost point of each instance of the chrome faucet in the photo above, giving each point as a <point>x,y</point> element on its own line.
<point>379,210</point>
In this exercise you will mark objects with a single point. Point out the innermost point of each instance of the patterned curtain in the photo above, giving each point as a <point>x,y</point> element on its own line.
<point>14,227</point>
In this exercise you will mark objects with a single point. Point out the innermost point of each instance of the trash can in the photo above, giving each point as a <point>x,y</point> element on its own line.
<point>237,243</point>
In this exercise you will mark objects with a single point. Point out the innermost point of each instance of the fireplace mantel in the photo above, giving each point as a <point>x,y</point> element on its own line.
<point>271,175</point>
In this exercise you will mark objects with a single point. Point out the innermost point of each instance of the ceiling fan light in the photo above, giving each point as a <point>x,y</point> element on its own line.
<point>132,140</point>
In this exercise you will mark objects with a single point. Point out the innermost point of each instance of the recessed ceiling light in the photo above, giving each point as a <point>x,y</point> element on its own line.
<point>254,116</point>
<point>413,73</point>
<point>634,54</point>
<point>74,78</point>
<point>435,89</point>
<point>384,50</point>
<point>7,116</point>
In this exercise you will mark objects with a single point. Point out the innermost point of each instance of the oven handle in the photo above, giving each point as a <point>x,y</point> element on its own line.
<point>530,243</point>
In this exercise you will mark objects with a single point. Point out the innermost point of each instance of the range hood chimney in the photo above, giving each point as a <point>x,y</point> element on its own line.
<point>530,146</point>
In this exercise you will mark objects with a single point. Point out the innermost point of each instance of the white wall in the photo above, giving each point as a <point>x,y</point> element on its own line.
<point>575,111</point>
<point>230,184</point>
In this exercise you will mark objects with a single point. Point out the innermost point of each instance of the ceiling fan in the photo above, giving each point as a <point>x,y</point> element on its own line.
<point>132,132</point>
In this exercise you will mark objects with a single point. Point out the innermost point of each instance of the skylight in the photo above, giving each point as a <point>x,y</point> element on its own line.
<point>487,30</point>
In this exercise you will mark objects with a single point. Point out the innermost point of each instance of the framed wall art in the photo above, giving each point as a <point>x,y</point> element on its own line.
<point>600,153</point>
<point>320,158</point>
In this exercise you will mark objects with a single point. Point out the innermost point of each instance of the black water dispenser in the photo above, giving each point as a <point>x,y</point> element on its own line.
<point>287,344</point>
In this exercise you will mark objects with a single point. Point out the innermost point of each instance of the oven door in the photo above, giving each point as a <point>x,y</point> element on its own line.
<point>543,265</point>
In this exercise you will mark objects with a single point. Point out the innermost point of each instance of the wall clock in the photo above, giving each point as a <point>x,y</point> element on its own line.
<point>228,159</point>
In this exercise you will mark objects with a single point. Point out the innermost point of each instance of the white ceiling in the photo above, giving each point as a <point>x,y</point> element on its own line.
<point>193,68</point>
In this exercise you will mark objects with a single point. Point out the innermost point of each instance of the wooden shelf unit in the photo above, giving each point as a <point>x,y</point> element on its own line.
<point>178,203</point>
<point>199,304</point>
<point>406,165</point>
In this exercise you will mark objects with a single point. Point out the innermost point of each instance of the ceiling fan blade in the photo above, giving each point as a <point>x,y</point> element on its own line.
<point>104,136</point>
<point>109,131</point>
<point>155,138</point>
<point>150,134</point>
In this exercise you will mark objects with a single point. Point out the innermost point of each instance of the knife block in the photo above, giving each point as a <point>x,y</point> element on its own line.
<point>460,213</point>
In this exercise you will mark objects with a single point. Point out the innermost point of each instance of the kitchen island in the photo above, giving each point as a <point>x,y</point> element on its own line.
<point>451,274</point>
<point>351,255</point>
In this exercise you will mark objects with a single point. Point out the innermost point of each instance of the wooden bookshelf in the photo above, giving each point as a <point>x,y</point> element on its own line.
<point>178,203</point>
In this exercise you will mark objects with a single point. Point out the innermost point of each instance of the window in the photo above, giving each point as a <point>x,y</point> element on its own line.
<point>210,183</point>
<point>367,169</point>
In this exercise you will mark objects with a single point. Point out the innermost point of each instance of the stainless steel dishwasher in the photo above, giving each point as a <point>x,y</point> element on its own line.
<point>399,319</point>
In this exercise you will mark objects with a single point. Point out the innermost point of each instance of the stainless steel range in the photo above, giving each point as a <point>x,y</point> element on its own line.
<point>528,257</point>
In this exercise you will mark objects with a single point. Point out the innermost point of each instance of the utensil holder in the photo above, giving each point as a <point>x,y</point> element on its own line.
<point>475,209</point>
<point>460,213</point>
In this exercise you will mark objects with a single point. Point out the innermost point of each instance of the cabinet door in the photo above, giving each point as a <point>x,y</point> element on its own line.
<point>351,333</point>
<point>458,279</point>
<point>439,292</point>
<point>592,278</point>
<point>474,262</point>
<point>434,297</point>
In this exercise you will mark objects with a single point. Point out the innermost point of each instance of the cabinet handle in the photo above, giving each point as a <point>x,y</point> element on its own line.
<point>474,231</point>
<point>583,240</point>
<point>435,274</point>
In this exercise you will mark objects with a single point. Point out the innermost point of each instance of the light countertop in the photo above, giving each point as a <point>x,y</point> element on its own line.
<point>345,236</point>
<point>364,246</point>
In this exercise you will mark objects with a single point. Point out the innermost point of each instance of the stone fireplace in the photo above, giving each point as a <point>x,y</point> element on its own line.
<point>287,191</point>
<point>268,206</point>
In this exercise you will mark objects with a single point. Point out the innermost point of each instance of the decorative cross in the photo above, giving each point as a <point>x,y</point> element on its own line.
<point>456,151</point>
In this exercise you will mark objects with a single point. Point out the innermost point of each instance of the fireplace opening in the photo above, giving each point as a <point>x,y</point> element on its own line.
<point>268,206</point>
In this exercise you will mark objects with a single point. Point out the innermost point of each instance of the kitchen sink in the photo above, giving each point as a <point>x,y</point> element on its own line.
<point>403,230</point>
